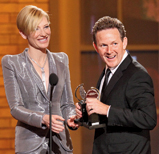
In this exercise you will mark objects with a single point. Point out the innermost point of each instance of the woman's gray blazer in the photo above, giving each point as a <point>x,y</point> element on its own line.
<point>28,100</point>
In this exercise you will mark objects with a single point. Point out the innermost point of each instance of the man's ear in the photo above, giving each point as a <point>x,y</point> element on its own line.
<point>125,42</point>
<point>95,46</point>
<point>23,35</point>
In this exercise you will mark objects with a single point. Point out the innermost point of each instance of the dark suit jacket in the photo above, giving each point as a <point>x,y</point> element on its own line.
<point>132,114</point>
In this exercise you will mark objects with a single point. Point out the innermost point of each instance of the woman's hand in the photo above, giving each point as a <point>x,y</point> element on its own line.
<point>71,122</point>
<point>57,123</point>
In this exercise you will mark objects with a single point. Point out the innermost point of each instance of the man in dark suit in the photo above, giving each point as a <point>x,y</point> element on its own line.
<point>127,104</point>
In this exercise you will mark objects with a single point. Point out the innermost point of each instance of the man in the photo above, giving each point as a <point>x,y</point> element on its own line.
<point>127,103</point>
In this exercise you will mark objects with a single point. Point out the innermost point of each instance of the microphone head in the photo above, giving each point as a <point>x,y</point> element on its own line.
<point>53,79</point>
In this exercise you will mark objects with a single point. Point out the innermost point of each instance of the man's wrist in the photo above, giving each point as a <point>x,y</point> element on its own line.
<point>108,110</point>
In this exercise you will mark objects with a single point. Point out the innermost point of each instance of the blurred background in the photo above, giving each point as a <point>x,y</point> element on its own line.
<point>71,24</point>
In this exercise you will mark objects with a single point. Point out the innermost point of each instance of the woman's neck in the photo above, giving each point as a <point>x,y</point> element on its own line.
<point>38,55</point>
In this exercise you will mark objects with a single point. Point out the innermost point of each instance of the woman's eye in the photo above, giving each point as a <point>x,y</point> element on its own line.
<point>36,28</point>
<point>47,26</point>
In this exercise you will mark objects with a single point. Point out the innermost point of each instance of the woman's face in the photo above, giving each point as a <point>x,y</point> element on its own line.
<point>41,37</point>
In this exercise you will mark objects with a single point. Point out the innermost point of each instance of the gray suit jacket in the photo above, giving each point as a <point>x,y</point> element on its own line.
<point>28,100</point>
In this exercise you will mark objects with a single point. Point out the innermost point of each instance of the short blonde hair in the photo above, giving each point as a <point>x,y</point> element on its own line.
<point>29,18</point>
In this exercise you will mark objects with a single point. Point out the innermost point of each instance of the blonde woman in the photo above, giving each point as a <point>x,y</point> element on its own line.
<point>26,80</point>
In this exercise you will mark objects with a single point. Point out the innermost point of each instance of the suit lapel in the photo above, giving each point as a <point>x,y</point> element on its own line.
<point>115,78</point>
<point>52,69</point>
<point>100,78</point>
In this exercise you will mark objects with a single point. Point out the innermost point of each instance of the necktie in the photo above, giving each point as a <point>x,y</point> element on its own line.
<point>106,79</point>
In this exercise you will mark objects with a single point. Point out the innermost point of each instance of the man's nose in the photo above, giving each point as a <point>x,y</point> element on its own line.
<point>109,49</point>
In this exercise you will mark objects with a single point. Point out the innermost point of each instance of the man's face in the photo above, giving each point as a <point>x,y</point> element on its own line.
<point>110,46</point>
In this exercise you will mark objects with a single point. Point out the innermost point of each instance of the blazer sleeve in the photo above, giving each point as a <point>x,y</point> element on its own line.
<point>14,97</point>
<point>139,96</point>
<point>67,103</point>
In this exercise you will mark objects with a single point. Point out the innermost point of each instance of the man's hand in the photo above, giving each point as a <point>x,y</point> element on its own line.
<point>95,106</point>
<point>78,111</point>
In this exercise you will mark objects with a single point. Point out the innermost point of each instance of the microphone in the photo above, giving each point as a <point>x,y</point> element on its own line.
<point>53,80</point>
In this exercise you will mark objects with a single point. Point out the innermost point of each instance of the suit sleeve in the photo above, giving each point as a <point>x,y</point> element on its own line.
<point>14,97</point>
<point>67,103</point>
<point>139,96</point>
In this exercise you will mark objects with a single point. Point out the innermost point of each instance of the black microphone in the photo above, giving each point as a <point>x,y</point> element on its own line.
<point>53,80</point>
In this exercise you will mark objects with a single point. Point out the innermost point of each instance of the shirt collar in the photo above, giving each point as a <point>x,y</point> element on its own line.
<point>115,68</point>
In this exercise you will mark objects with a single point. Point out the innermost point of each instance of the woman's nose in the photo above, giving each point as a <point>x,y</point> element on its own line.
<point>42,32</point>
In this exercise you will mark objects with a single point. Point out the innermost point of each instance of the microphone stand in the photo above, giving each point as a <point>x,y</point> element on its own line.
<point>53,79</point>
<point>50,115</point>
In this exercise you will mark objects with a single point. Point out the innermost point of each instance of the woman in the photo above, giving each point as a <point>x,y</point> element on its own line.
<point>26,80</point>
